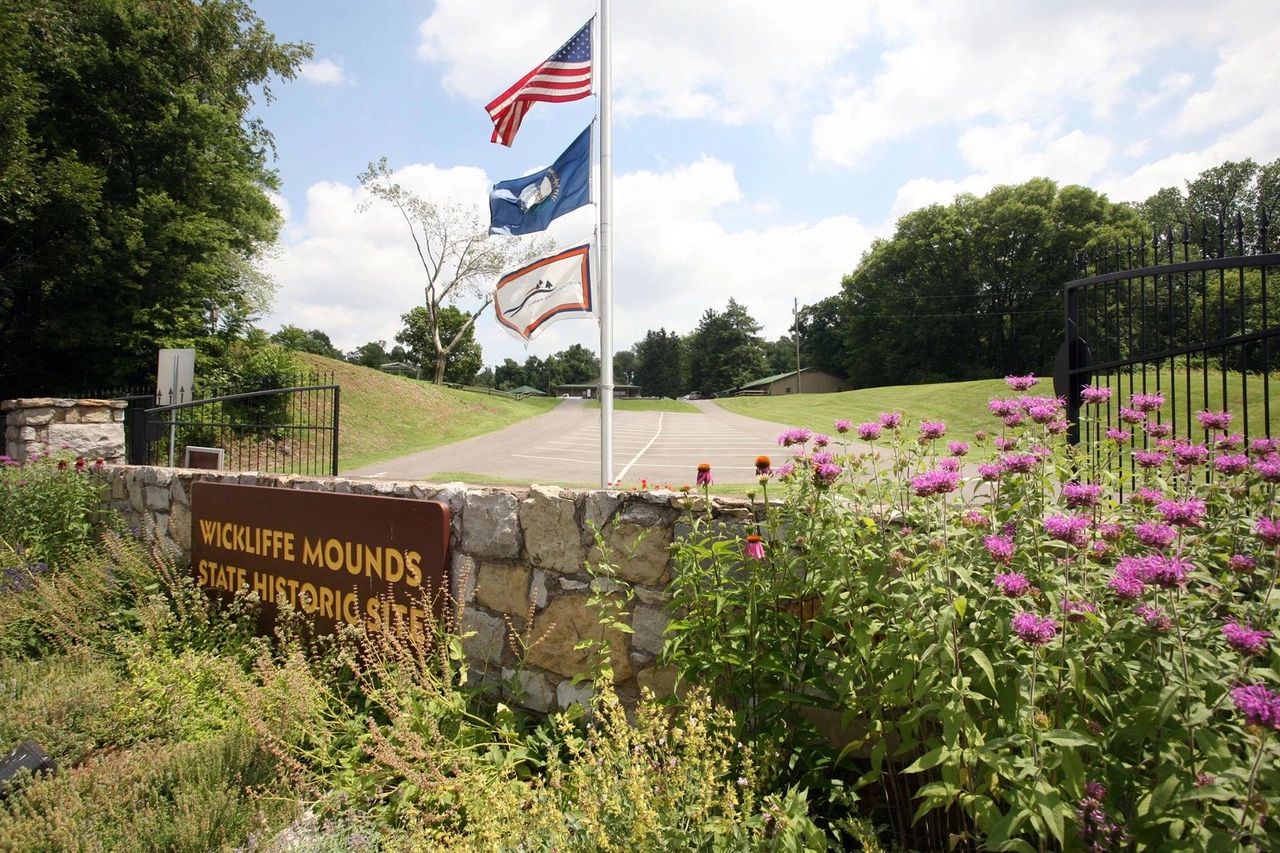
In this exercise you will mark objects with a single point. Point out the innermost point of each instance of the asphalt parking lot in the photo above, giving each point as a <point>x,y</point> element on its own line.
<point>563,446</point>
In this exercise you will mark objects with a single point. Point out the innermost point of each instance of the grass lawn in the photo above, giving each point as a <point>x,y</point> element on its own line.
<point>385,416</point>
<point>662,405</point>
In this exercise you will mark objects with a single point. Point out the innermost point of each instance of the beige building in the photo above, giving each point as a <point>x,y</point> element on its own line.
<point>807,380</point>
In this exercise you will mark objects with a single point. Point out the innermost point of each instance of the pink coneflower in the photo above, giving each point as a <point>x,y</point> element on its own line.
<point>930,430</point>
<point>99,463</point>
<point>1131,416</point>
<point>1259,705</point>
<point>1245,639</point>
<point>1214,420</point>
<point>1072,529</point>
<point>1268,530</point>
<point>1092,395</point>
<point>1076,609</point>
<point>1012,584</point>
<point>704,474</point>
<point>1155,534</point>
<point>1000,548</point>
<point>755,547</point>
<point>1242,564</point>
<point>1146,402</point>
<point>1081,494</point>
<point>1032,629</point>
<point>80,463</point>
<point>869,432</point>
<point>958,448</point>
<point>843,426</point>
<point>1232,464</point>
<point>1021,383</point>
<point>1188,513</point>
<point>764,466</point>
<point>1119,436</point>
<point>1155,618</point>
<point>890,420</point>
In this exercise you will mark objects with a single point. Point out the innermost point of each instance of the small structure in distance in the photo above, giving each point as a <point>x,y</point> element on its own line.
<point>806,380</point>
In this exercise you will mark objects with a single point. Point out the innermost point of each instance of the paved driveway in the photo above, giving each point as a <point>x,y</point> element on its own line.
<point>564,446</point>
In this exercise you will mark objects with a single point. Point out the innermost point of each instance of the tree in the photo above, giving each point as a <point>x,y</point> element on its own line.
<point>780,355</point>
<point>727,350</point>
<point>459,258</point>
<point>464,358</point>
<point>578,365</point>
<point>314,341</point>
<point>509,375</point>
<point>372,354</point>
<point>821,343</point>
<point>659,371</point>
<point>624,367</point>
<point>134,193</point>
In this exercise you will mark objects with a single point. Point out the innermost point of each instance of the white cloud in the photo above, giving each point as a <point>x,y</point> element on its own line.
<point>326,72</point>
<point>732,61</point>
<point>352,274</point>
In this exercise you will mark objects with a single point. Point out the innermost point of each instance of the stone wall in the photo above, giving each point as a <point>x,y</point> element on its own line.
<point>90,428</point>
<point>517,554</point>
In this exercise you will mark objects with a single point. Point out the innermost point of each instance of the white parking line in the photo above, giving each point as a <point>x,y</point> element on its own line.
<point>623,473</point>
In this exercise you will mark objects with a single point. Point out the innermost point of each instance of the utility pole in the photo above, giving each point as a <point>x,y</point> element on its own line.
<point>795,330</point>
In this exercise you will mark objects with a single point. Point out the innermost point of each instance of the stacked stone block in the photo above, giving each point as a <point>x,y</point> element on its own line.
<point>93,429</point>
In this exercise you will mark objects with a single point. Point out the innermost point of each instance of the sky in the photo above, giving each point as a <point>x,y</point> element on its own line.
<point>759,148</point>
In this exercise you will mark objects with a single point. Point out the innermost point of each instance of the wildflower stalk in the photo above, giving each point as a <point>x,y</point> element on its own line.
<point>1253,778</point>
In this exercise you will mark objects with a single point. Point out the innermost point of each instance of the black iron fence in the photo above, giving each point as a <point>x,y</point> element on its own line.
<point>283,430</point>
<point>1191,315</point>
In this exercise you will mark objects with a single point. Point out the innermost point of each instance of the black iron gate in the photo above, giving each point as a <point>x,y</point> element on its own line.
<point>1191,316</point>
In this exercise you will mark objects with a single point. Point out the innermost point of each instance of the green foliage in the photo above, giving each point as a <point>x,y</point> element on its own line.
<point>660,360</point>
<point>464,356</point>
<point>372,354</point>
<point>725,351</point>
<point>873,633</point>
<point>135,188</point>
<point>50,509</point>
<point>315,341</point>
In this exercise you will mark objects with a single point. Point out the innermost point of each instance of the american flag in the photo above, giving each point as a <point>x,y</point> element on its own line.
<point>565,76</point>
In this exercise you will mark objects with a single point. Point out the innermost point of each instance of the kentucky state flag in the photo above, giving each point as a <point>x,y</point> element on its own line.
<point>526,205</point>
<point>550,289</point>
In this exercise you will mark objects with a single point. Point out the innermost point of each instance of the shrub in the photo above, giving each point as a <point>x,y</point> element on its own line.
<point>51,507</point>
<point>1023,652</point>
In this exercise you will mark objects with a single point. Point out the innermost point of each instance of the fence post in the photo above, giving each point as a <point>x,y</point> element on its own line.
<point>337,394</point>
<point>1072,352</point>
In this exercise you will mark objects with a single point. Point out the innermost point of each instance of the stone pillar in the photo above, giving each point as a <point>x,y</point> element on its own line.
<point>90,428</point>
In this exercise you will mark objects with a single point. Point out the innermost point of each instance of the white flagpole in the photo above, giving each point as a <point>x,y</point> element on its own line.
<point>606,247</point>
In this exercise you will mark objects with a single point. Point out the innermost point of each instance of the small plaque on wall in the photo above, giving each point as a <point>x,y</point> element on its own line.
<point>207,458</point>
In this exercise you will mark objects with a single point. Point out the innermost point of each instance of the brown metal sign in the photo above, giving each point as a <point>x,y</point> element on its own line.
<point>376,562</point>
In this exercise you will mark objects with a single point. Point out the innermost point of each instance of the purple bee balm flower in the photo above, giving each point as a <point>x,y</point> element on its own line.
<point>826,474</point>
<point>958,448</point>
<point>1131,416</point>
<point>1110,531</point>
<point>1076,609</point>
<point>1012,584</point>
<point>1034,630</point>
<point>1146,402</point>
<point>1149,458</point>
<point>785,470</point>
<point>1100,549</point>
<point>1022,383</point>
<point>1014,419</point>
<point>1259,705</point>
<point>949,463</point>
<point>1144,497</point>
<point>1214,420</point>
<point>890,420</point>
<point>1072,529</point>
<point>990,473</point>
<point>1042,414</point>
<point>1231,465</point>
<point>1268,530</point>
<point>1081,494</point>
<point>935,483</point>
<point>822,457</point>
<point>1020,463</point>
<point>1167,572</point>
<point>1155,534</point>
<point>1245,639</point>
<point>1002,408</point>
<point>1155,618</point>
<point>1264,446</point>
<point>1242,563</point>
<point>1057,426</point>
<point>704,474</point>
<point>1001,549</point>
<point>755,548</point>
<point>1233,441</point>
<point>1004,445</point>
<point>869,432</point>
<point>1092,395</point>
<point>793,436</point>
<point>821,440</point>
<point>1156,430</point>
<point>930,430</point>
<point>1268,469</point>
<point>975,518</point>
<point>1127,580</point>
<point>1189,455</point>
<point>1119,436</point>
<point>1188,513</point>
<point>843,426</point>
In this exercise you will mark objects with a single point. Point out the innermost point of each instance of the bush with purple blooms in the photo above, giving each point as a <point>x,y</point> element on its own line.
<point>1030,652</point>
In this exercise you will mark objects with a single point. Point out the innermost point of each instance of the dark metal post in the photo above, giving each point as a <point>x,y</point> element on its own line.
<point>1073,392</point>
<point>337,393</point>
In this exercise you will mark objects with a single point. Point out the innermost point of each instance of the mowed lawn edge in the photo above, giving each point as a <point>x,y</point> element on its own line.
<point>384,416</point>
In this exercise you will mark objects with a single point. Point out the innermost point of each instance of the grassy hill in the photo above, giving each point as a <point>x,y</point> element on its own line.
<point>385,416</point>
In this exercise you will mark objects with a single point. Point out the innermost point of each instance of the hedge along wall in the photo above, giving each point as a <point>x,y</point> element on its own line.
<point>512,552</point>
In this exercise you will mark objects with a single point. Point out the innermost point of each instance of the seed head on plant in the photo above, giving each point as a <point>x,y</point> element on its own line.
<point>704,474</point>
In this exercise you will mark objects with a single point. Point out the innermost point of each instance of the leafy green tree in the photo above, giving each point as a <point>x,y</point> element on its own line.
<point>624,367</point>
<point>577,365</point>
<point>780,355</point>
<point>727,350</point>
<point>372,354</point>
<point>659,364</point>
<point>300,340</point>
<point>821,342</point>
<point>134,189</point>
<point>464,358</point>
<point>509,375</point>
<point>459,258</point>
